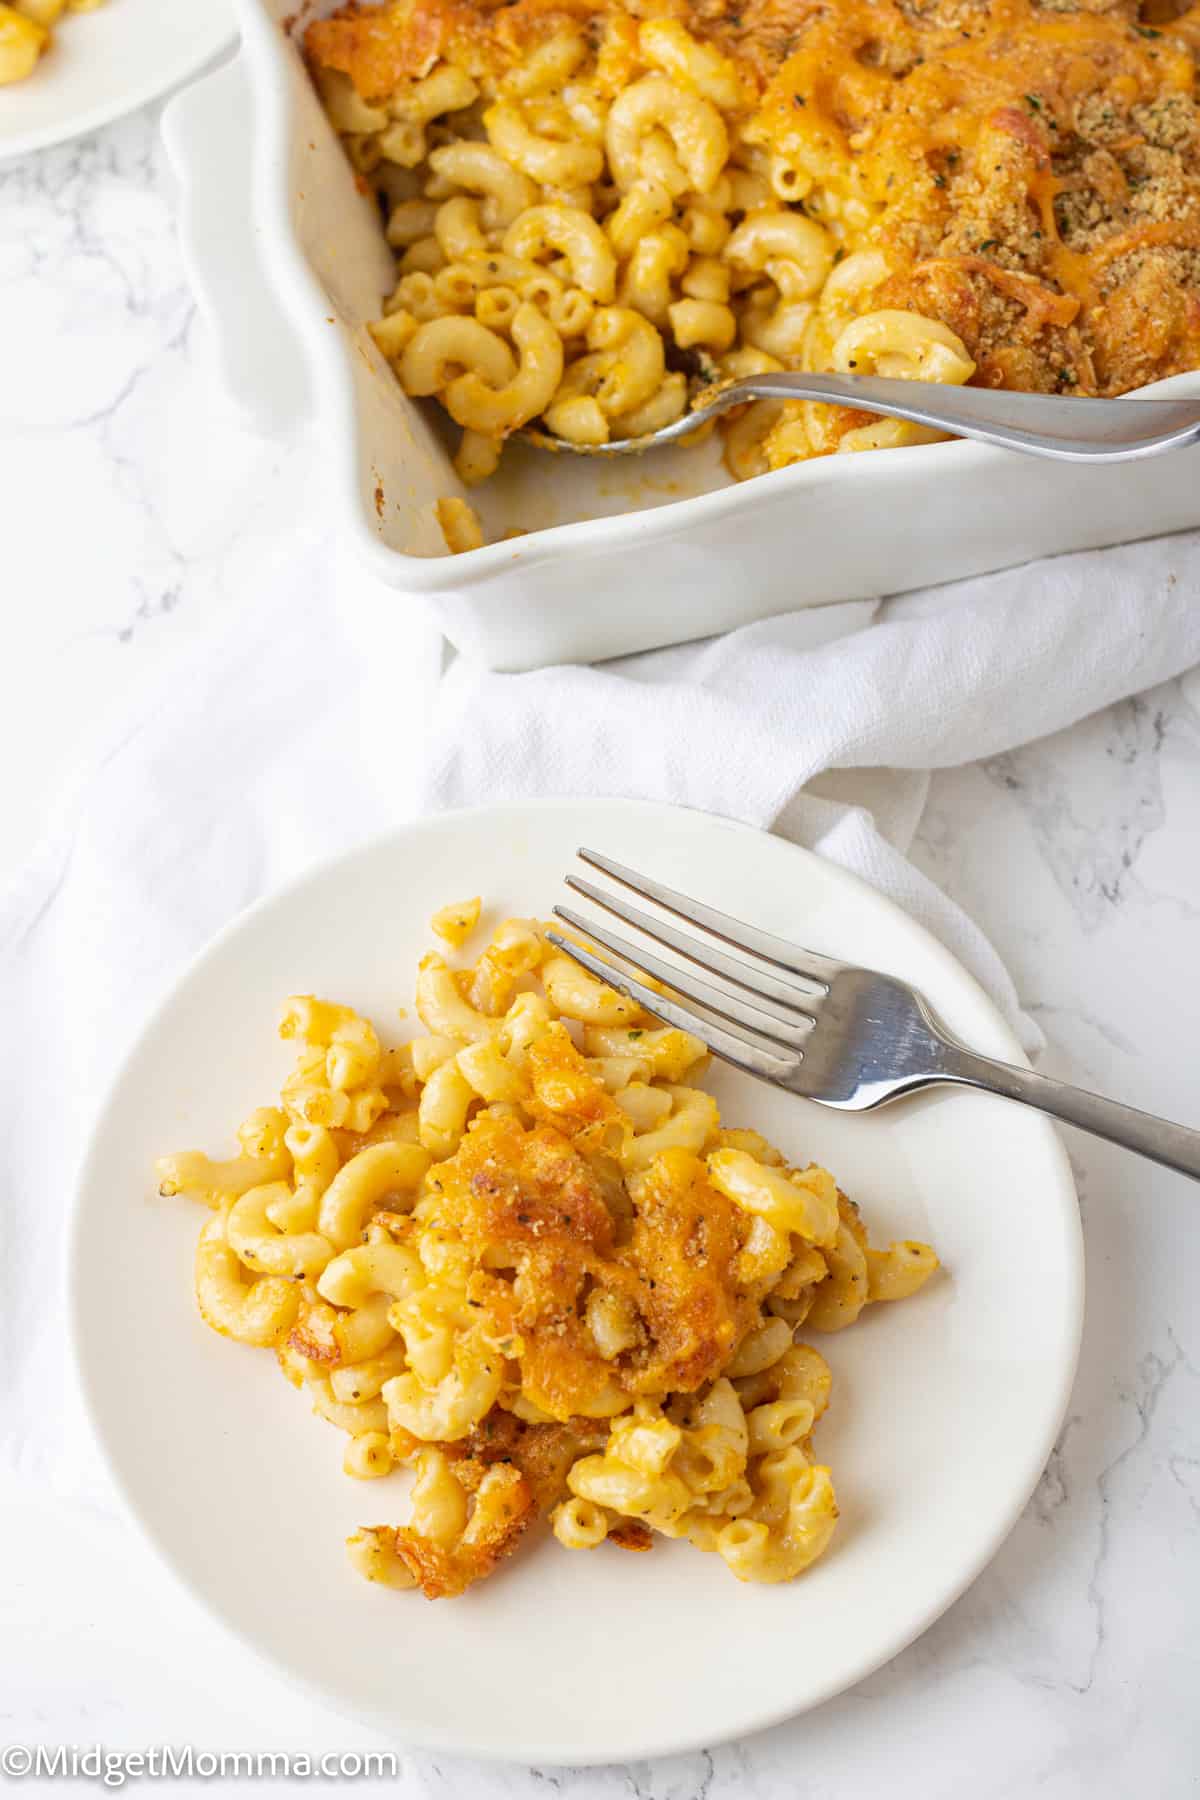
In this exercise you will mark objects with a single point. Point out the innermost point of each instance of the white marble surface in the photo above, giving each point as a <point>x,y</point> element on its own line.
<point>137,512</point>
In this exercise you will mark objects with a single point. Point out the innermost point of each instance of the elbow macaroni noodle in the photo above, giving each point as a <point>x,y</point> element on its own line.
<point>1006,192</point>
<point>521,1255</point>
<point>596,232</point>
<point>26,32</point>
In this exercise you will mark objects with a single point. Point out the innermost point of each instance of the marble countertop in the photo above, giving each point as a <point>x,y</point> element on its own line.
<point>136,508</point>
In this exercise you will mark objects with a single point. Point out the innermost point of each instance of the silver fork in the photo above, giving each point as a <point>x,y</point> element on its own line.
<point>848,1037</point>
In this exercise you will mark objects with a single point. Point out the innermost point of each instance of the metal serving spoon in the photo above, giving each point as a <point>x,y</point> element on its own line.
<point>1056,425</point>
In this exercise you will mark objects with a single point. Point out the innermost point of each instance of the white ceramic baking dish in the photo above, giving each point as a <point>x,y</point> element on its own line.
<point>615,557</point>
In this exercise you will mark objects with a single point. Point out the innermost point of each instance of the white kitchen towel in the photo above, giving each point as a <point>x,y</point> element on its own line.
<point>823,725</point>
<point>282,743</point>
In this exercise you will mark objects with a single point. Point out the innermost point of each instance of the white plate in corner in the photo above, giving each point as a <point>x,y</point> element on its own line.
<point>103,64</point>
<point>945,1407</point>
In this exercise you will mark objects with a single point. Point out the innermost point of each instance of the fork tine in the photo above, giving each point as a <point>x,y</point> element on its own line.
<point>763,944</point>
<point>759,1019</point>
<point>705,955</point>
<point>730,1046</point>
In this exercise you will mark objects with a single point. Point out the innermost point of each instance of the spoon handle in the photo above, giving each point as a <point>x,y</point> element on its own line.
<point>1055,425</point>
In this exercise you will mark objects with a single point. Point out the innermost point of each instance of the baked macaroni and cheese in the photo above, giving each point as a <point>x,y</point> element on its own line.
<point>522,1255</point>
<point>599,208</point>
<point>26,28</point>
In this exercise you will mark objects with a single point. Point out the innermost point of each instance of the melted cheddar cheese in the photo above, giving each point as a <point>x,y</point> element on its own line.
<point>1030,172</point>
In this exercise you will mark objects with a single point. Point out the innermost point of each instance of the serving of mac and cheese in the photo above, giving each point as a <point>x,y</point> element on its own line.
<point>599,208</point>
<point>521,1255</point>
<point>26,29</point>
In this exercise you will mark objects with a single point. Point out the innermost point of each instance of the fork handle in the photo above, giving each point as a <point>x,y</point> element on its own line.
<point>1174,1146</point>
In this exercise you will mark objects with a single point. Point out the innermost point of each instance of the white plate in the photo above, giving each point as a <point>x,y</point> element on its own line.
<point>103,64</point>
<point>944,1411</point>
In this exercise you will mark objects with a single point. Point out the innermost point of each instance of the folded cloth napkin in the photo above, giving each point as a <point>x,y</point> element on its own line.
<point>282,743</point>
